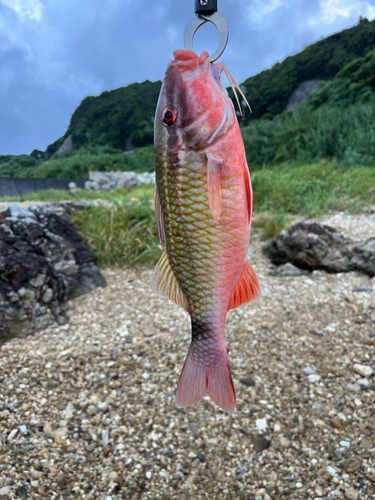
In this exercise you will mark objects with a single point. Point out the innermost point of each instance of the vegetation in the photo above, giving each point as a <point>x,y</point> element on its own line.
<point>77,164</point>
<point>333,124</point>
<point>123,231</point>
<point>341,134</point>
<point>269,91</point>
<point>122,234</point>
<point>122,118</point>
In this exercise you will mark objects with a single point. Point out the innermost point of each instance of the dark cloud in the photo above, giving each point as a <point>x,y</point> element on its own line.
<point>53,54</point>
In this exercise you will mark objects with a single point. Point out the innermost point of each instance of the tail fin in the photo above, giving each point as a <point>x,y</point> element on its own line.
<point>196,380</point>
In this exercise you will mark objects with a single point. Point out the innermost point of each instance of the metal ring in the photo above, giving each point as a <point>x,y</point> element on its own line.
<point>221,24</point>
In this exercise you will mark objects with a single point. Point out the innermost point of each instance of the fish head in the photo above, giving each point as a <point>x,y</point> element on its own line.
<point>194,109</point>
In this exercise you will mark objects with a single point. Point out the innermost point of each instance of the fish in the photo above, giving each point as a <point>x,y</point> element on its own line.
<point>203,206</point>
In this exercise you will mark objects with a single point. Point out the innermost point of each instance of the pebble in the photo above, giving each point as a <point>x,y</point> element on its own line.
<point>21,492</point>
<point>308,371</point>
<point>314,378</point>
<point>284,442</point>
<point>248,381</point>
<point>363,381</point>
<point>59,397</point>
<point>363,370</point>
<point>12,434</point>
<point>351,494</point>
<point>261,424</point>
<point>260,443</point>
<point>4,491</point>
<point>62,480</point>
<point>331,471</point>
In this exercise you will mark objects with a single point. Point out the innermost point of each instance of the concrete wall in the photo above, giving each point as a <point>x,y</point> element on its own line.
<point>12,186</point>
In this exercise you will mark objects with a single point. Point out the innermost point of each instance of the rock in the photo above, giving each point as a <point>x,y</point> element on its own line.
<point>367,444</point>
<point>302,92</point>
<point>363,256</point>
<point>331,471</point>
<point>363,382</point>
<point>351,464</point>
<point>176,477</point>
<point>308,371</point>
<point>351,494</point>
<point>363,370</point>
<point>289,269</point>
<point>66,146</point>
<point>72,187</point>
<point>336,422</point>
<point>284,442</point>
<point>261,424</point>
<point>260,443</point>
<point>314,378</point>
<point>4,491</point>
<point>312,246</point>
<point>339,452</point>
<point>248,381</point>
<point>317,407</point>
<point>62,480</point>
<point>112,180</point>
<point>21,492</point>
<point>43,264</point>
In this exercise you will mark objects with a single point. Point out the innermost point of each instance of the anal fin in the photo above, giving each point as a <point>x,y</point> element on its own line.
<point>247,288</point>
<point>164,282</point>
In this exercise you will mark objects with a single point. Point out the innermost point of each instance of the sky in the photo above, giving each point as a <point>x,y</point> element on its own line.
<point>54,53</point>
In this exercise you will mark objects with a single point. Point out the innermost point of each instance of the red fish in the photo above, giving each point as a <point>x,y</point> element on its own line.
<point>203,204</point>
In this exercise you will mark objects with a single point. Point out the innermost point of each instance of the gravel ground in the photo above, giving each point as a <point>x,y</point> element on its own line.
<point>88,411</point>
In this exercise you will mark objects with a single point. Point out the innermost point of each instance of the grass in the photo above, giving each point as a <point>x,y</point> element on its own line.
<point>122,235</point>
<point>124,232</point>
<point>119,194</point>
<point>342,134</point>
<point>311,190</point>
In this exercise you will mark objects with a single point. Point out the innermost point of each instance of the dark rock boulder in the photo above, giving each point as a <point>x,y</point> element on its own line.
<point>310,246</point>
<point>43,264</point>
<point>363,256</point>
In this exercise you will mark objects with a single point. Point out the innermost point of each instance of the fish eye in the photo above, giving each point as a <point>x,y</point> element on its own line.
<point>170,115</point>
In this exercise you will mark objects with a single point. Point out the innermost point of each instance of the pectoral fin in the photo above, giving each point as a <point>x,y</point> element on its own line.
<point>247,288</point>
<point>163,282</point>
<point>159,217</point>
<point>214,185</point>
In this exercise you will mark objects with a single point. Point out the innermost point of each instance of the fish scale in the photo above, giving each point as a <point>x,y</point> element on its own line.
<point>203,209</point>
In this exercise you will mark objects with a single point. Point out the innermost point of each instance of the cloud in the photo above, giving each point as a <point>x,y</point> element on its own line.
<point>26,9</point>
<point>262,8</point>
<point>331,10</point>
<point>53,53</point>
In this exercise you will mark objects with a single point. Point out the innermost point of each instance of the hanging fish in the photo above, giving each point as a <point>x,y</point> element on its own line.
<point>203,204</point>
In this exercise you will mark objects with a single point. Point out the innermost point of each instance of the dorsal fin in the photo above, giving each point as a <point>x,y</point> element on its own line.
<point>214,185</point>
<point>159,217</point>
<point>247,288</point>
<point>163,282</point>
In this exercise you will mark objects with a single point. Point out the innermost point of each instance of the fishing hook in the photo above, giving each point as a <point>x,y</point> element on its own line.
<point>206,11</point>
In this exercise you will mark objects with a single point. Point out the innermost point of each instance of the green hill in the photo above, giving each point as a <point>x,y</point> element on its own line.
<point>269,91</point>
<point>118,118</point>
<point>335,122</point>
<point>127,113</point>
